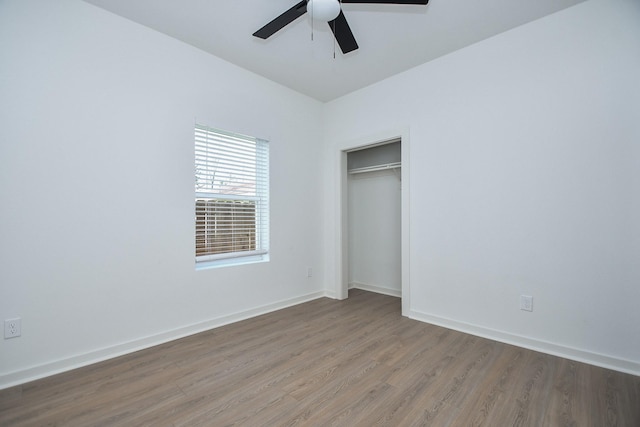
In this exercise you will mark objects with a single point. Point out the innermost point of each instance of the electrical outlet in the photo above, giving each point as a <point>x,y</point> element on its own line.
<point>309,272</point>
<point>526,303</point>
<point>12,328</point>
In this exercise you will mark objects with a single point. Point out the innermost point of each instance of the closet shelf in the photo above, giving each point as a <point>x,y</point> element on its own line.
<point>385,166</point>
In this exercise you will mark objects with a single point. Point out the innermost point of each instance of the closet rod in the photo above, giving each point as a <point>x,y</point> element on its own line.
<point>376,168</point>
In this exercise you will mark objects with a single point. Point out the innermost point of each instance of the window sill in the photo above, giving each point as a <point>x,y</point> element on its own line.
<point>228,262</point>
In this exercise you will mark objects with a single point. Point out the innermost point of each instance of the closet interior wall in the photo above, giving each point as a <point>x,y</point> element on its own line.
<point>374,220</point>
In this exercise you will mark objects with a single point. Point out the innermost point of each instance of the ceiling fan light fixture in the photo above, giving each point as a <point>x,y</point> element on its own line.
<point>323,10</point>
<point>328,11</point>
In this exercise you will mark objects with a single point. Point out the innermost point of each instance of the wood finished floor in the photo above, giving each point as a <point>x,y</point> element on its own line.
<point>330,363</point>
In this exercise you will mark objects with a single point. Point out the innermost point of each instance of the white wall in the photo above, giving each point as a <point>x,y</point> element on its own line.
<point>374,231</point>
<point>524,180</point>
<point>96,187</point>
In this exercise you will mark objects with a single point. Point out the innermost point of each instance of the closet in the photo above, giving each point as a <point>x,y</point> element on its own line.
<point>374,218</point>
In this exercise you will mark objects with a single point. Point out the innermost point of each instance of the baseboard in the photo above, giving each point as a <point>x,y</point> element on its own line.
<point>604,361</point>
<point>330,294</point>
<point>78,361</point>
<point>376,289</point>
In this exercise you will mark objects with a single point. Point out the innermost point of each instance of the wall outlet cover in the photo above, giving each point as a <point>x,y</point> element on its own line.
<point>12,328</point>
<point>526,303</point>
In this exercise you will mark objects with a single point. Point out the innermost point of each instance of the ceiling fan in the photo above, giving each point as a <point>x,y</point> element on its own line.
<point>325,10</point>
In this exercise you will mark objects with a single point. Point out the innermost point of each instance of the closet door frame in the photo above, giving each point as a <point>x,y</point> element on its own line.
<point>341,243</point>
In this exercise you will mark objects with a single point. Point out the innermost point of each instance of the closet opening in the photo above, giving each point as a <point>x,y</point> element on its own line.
<point>338,248</point>
<point>374,218</point>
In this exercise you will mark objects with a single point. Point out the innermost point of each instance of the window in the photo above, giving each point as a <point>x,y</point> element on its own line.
<point>231,196</point>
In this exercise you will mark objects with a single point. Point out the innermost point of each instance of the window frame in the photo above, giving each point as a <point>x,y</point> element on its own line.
<point>260,237</point>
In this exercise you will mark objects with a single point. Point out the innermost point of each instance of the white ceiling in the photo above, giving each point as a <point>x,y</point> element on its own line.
<point>392,38</point>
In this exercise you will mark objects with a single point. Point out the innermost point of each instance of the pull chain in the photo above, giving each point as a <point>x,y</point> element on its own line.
<point>311,19</point>
<point>334,39</point>
<point>335,35</point>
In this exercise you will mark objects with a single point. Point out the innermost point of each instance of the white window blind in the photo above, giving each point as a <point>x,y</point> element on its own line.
<point>231,195</point>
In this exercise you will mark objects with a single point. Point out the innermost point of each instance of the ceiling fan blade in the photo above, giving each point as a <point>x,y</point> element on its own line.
<point>388,2</point>
<point>343,34</point>
<point>282,21</point>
